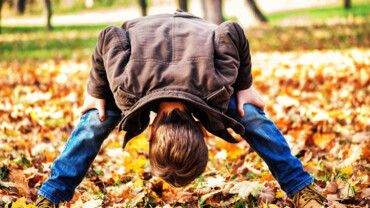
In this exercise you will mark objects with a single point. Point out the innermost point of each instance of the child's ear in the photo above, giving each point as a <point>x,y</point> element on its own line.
<point>151,132</point>
<point>199,124</point>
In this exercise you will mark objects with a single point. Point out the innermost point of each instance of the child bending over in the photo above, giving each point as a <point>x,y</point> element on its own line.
<point>181,67</point>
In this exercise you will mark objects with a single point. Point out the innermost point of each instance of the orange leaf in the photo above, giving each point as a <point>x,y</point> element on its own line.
<point>323,140</point>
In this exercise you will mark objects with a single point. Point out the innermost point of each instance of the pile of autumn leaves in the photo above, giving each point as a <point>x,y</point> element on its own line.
<point>319,99</point>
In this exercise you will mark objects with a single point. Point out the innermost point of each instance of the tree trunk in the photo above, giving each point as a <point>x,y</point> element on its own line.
<point>203,6</point>
<point>183,4</point>
<point>144,7</point>
<point>213,11</point>
<point>1,7</point>
<point>347,4</point>
<point>256,11</point>
<point>20,6</point>
<point>89,3</point>
<point>49,13</point>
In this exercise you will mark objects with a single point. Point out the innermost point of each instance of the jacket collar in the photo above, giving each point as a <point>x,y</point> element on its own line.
<point>137,119</point>
<point>180,13</point>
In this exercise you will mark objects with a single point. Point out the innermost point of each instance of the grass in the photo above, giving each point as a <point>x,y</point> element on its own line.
<point>67,28</point>
<point>358,9</point>
<point>19,43</point>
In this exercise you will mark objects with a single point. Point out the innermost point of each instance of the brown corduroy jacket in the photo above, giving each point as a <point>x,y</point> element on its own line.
<point>172,56</point>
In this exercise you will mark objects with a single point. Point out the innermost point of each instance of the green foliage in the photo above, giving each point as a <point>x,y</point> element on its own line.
<point>98,171</point>
<point>251,175</point>
<point>361,9</point>
<point>23,161</point>
<point>326,177</point>
<point>4,173</point>
<point>37,43</point>
<point>241,203</point>
<point>279,38</point>
<point>100,195</point>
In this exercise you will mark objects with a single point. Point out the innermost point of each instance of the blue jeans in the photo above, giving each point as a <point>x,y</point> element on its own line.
<point>268,142</point>
<point>86,139</point>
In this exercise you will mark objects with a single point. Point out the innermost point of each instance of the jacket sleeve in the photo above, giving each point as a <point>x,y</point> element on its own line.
<point>234,46</point>
<point>111,53</point>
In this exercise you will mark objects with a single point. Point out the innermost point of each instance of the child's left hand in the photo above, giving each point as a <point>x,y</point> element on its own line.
<point>250,96</point>
<point>91,102</point>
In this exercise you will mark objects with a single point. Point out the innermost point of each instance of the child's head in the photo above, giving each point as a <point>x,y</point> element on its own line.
<point>177,151</point>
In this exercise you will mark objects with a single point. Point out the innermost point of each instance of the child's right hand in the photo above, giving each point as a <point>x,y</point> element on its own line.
<point>91,102</point>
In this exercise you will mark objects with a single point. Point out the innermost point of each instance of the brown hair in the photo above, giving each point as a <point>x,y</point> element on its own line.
<point>177,150</point>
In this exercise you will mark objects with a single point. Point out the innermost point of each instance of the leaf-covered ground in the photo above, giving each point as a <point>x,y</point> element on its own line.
<point>319,99</point>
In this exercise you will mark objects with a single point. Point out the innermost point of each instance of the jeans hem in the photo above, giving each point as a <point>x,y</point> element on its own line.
<point>51,197</point>
<point>299,187</point>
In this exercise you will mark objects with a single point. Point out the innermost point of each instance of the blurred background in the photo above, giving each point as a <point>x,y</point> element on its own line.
<point>313,22</point>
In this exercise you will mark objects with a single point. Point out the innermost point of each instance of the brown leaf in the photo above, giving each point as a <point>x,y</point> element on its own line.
<point>267,195</point>
<point>331,187</point>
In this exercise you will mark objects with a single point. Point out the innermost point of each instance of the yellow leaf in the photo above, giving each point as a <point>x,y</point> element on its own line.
<point>114,145</point>
<point>138,183</point>
<point>166,186</point>
<point>348,170</point>
<point>279,194</point>
<point>21,203</point>
<point>136,165</point>
<point>33,115</point>
<point>139,143</point>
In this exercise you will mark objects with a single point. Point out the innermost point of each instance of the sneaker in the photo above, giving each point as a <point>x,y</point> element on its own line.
<point>43,202</point>
<point>309,197</point>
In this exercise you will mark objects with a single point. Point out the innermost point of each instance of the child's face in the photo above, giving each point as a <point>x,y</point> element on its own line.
<point>164,107</point>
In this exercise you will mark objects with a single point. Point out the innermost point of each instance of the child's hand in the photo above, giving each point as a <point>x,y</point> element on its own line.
<point>250,96</point>
<point>92,102</point>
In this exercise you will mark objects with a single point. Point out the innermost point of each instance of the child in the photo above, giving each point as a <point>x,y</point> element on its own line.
<point>180,67</point>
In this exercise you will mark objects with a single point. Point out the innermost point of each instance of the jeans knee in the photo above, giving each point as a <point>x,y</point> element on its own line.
<point>252,113</point>
<point>252,110</point>
<point>91,124</point>
<point>90,112</point>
